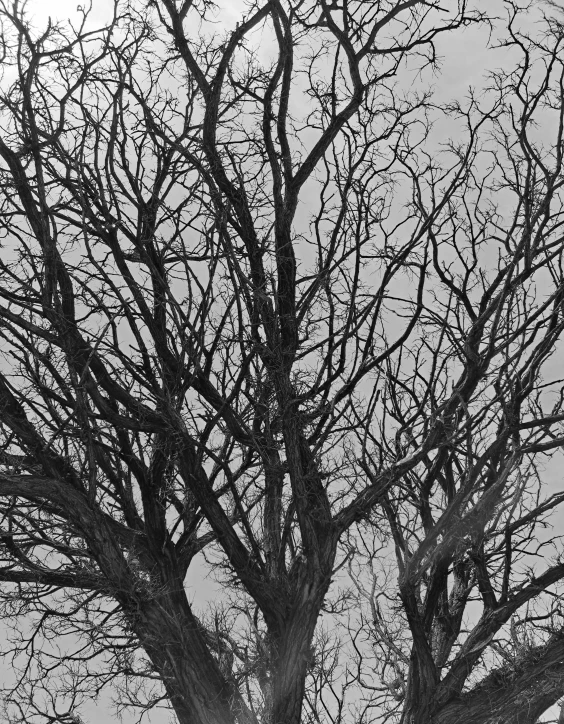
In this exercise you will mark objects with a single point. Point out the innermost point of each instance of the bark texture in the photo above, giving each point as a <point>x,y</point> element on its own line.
<point>519,695</point>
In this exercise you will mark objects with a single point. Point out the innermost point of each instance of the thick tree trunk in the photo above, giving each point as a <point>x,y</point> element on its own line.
<point>288,675</point>
<point>293,651</point>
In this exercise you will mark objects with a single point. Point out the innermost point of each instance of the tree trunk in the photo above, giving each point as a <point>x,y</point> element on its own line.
<point>293,651</point>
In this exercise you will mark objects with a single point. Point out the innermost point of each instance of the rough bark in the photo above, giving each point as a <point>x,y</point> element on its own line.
<point>519,695</point>
<point>172,637</point>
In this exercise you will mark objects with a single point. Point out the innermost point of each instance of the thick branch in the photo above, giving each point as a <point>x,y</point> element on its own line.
<point>516,695</point>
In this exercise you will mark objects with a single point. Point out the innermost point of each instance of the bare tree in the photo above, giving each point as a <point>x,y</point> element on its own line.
<point>254,309</point>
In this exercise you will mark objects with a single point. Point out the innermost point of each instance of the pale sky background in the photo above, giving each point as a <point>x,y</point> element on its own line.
<point>465,59</point>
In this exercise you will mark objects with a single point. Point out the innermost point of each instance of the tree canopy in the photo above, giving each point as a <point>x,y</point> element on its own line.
<point>273,307</point>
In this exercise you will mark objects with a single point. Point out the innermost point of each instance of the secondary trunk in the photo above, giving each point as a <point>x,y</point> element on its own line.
<point>173,640</point>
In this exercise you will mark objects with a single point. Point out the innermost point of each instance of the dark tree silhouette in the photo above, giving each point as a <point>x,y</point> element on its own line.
<point>257,309</point>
